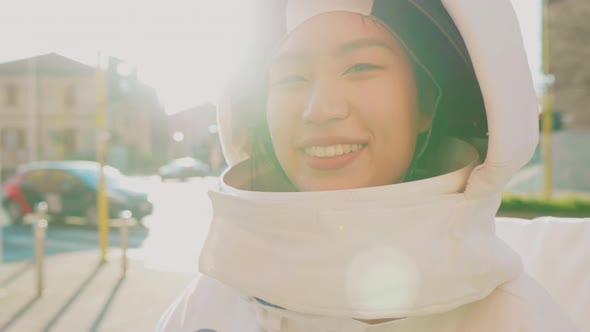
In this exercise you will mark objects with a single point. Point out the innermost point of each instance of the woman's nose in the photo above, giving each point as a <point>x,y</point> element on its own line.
<point>326,103</point>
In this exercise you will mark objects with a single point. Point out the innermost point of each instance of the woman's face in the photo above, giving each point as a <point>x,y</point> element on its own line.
<point>342,108</point>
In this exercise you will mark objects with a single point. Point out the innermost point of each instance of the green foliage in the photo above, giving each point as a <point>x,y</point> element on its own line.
<point>567,206</point>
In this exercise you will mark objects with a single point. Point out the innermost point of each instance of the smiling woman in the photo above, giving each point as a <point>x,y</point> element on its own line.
<point>329,124</point>
<point>325,117</point>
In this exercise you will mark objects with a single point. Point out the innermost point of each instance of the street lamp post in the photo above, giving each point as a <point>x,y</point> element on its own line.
<point>102,207</point>
<point>547,116</point>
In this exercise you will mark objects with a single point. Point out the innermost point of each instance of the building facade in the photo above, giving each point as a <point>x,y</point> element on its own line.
<point>48,109</point>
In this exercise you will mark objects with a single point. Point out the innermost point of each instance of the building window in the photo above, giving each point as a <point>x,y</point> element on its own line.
<point>10,95</point>
<point>11,138</point>
<point>70,97</point>
<point>70,140</point>
<point>66,139</point>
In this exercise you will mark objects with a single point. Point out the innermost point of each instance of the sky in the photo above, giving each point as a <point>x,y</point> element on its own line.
<point>185,49</point>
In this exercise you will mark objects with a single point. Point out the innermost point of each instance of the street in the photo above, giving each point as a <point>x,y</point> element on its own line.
<point>171,241</point>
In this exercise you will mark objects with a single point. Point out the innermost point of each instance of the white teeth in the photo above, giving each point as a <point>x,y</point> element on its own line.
<point>331,150</point>
<point>319,152</point>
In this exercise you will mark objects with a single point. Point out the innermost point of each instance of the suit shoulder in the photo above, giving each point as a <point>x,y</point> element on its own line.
<point>208,305</point>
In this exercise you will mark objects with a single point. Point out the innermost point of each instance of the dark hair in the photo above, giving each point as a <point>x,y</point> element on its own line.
<point>439,53</point>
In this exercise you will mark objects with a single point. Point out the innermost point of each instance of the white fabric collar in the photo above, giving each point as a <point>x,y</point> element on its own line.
<point>393,251</point>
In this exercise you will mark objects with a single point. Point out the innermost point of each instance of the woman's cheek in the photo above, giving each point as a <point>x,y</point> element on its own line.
<point>276,115</point>
<point>280,114</point>
<point>284,107</point>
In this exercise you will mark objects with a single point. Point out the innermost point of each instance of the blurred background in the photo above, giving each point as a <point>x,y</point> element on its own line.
<point>109,106</point>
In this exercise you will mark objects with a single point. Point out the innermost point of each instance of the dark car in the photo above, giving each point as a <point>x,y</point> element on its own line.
<point>556,120</point>
<point>70,189</point>
<point>183,168</point>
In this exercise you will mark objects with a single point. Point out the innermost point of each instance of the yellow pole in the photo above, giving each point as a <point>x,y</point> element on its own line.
<point>102,207</point>
<point>547,116</point>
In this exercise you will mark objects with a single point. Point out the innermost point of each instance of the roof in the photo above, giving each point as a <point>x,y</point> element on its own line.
<point>48,64</point>
<point>68,164</point>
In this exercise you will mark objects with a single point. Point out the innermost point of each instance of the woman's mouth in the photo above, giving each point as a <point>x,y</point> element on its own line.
<point>326,157</point>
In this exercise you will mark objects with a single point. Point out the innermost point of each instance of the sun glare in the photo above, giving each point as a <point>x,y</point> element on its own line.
<point>185,49</point>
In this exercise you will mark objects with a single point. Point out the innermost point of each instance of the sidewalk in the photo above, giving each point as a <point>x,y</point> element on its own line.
<point>81,295</point>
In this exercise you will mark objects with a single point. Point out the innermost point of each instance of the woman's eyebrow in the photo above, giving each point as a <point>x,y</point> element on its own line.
<point>296,57</point>
<point>363,43</point>
<point>289,57</point>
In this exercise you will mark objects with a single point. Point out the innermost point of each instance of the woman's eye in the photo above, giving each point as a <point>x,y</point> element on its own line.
<point>360,67</point>
<point>290,79</point>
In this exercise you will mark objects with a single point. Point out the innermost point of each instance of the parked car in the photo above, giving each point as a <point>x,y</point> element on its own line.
<point>183,168</point>
<point>70,189</point>
<point>556,120</point>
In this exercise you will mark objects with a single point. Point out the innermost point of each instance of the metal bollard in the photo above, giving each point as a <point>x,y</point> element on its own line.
<point>125,217</point>
<point>39,228</point>
<point>1,225</point>
<point>1,244</point>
